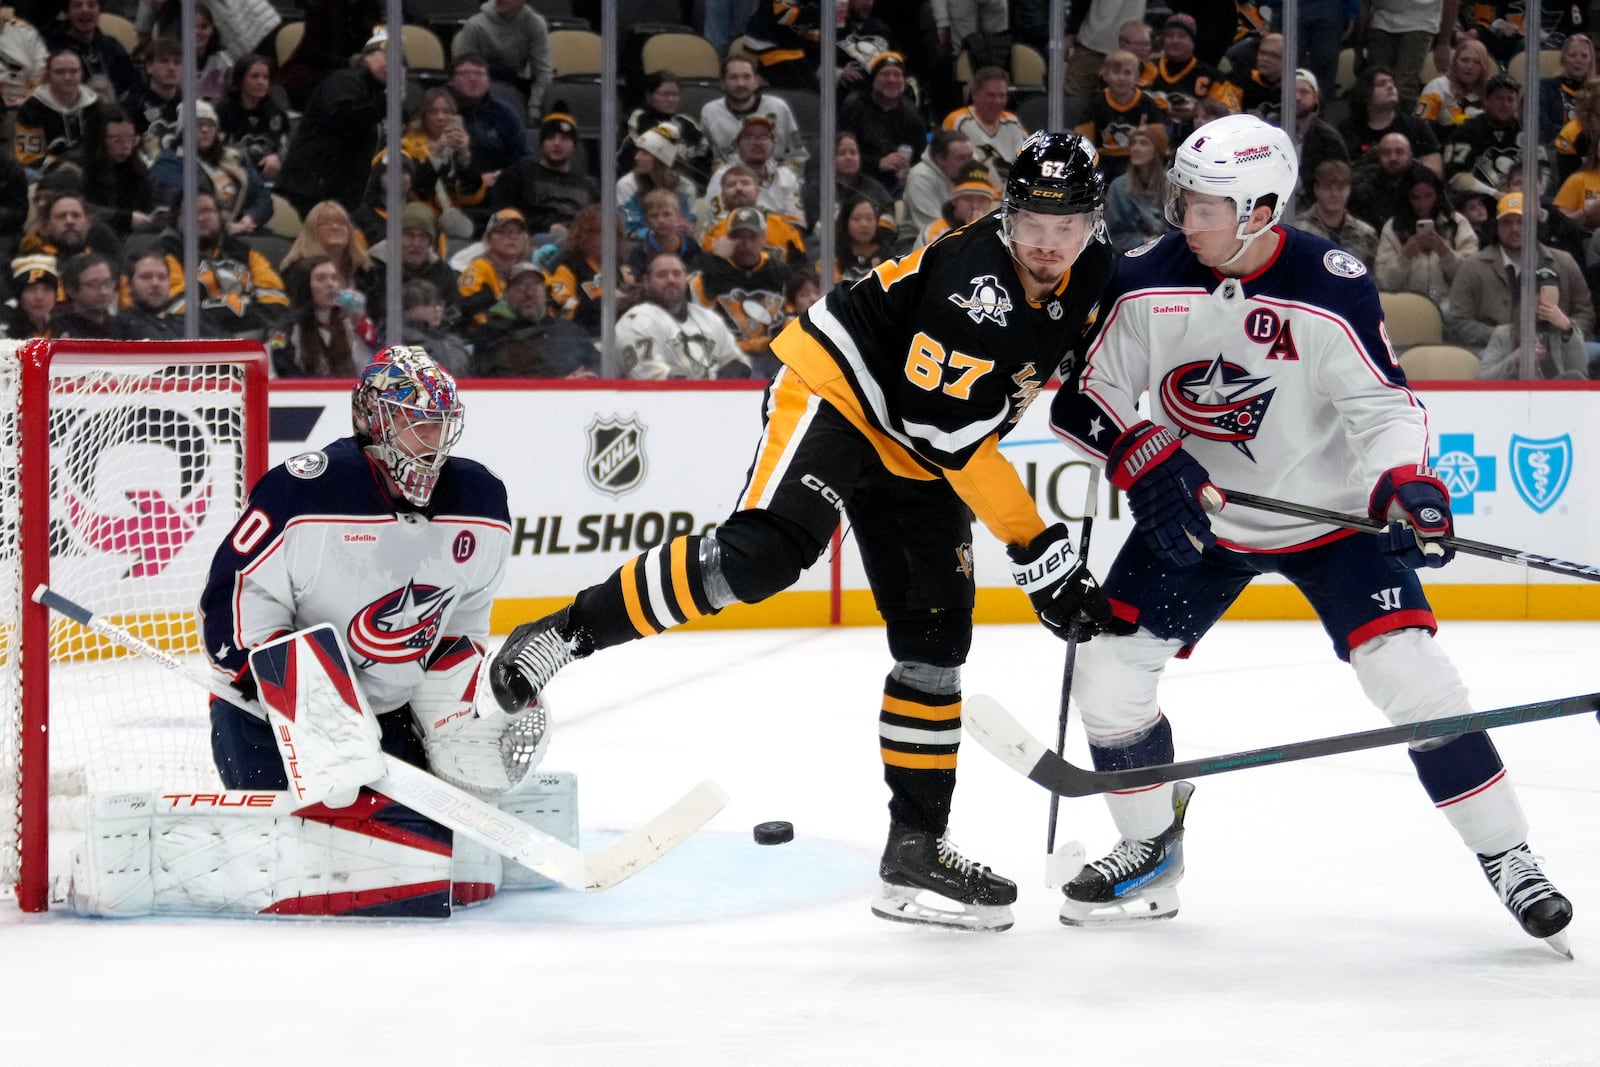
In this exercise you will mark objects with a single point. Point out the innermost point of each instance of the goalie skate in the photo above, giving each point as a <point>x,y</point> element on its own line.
<point>926,881</point>
<point>1136,881</point>
<point>1537,905</point>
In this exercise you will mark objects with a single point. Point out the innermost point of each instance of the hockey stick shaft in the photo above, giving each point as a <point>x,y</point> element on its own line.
<point>999,731</point>
<point>1091,506</point>
<point>455,808</point>
<point>1531,560</point>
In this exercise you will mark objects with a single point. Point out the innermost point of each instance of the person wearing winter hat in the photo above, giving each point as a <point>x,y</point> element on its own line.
<point>780,188</point>
<point>35,280</point>
<point>1178,77</point>
<point>654,159</point>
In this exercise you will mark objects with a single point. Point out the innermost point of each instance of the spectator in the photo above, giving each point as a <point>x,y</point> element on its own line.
<point>782,36</point>
<point>1314,139</point>
<point>1486,143</point>
<point>444,175</point>
<point>59,116</point>
<point>107,69</point>
<point>1579,136</point>
<point>325,333</point>
<point>423,323</point>
<point>242,26</point>
<point>1559,96</point>
<point>239,290</point>
<point>213,62</point>
<point>513,41</point>
<point>1381,183</point>
<point>1117,111</point>
<point>1579,196</point>
<point>331,149</point>
<point>25,58</point>
<point>1375,110</point>
<point>1454,97</point>
<point>1135,36</point>
<point>663,95</point>
<point>746,289</point>
<point>521,338</point>
<point>371,219</point>
<point>89,311</point>
<point>1424,244</point>
<point>972,197</point>
<point>14,202</point>
<point>1327,215</point>
<point>862,239</point>
<point>862,35</point>
<point>723,118</point>
<point>35,282</point>
<point>930,183</point>
<point>1258,90</point>
<point>243,198</point>
<point>576,280</point>
<point>1177,79</point>
<point>724,21</point>
<point>653,168</point>
<point>62,228</point>
<point>996,134</point>
<point>153,103</point>
<point>779,189</point>
<point>800,292</point>
<point>419,261</point>
<point>1136,200</point>
<point>1481,297</point>
<point>1091,35</point>
<point>1558,351</point>
<point>1397,36</point>
<point>151,314</point>
<point>328,230</point>
<point>251,119</point>
<point>115,179</point>
<point>548,190</point>
<point>888,129</point>
<point>333,31</point>
<point>496,132</point>
<point>849,180</point>
<point>505,244</point>
<point>666,336</point>
<point>668,232</point>
<point>740,188</point>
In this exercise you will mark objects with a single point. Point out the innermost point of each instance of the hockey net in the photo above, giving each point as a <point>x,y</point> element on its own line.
<point>122,467</point>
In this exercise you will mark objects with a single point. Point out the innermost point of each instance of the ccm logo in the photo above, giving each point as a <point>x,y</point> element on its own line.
<point>817,485</point>
<point>219,800</point>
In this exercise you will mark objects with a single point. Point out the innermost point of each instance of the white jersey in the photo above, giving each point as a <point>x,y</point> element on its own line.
<point>322,542</point>
<point>722,127</point>
<point>1282,384</point>
<point>656,346</point>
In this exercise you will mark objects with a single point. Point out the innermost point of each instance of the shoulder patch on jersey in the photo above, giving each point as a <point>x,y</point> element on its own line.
<point>1134,253</point>
<point>307,464</point>
<point>1344,264</point>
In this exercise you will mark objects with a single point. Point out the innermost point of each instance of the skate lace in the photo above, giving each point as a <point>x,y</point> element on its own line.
<point>542,657</point>
<point>1518,879</point>
<point>1123,860</point>
<point>956,861</point>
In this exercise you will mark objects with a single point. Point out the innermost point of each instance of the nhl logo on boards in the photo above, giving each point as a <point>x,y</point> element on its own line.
<point>988,300</point>
<point>614,463</point>
<point>1342,263</point>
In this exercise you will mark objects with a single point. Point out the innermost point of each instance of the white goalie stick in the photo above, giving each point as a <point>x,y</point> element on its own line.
<point>459,810</point>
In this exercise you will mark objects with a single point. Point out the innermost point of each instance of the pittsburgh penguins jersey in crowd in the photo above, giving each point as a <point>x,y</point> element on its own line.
<point>1193,79</point>
<point>935,357</point>
<point>1282,384</point>
<point>1110,126</point>
<point>321,541</point>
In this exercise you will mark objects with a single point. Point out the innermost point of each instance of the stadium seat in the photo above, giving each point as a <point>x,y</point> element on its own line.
<point>285,221</point>
<point>1439,363</point>
<point>1411,319</point>
<point>288,39</point>
<point>687,55</point>
<point>1027,66</point>
<point>1550,63</point>
<point>423,49</point>
<point>1345,79</point>
<point>575,52</point>
<point>807,108</point>
<point>444,17</point>
<point>120,30</point>
<point>1034,113</point>
<point>695,97</point>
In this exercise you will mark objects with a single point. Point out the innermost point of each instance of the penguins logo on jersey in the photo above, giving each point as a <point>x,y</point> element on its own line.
<point>1216,400</point>
<point>988,300</point>
<point>399,627</point>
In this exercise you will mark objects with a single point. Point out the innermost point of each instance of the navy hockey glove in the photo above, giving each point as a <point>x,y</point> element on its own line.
<point>1059,585</point>
<point>1167,490</point>
<point>1416,505</point>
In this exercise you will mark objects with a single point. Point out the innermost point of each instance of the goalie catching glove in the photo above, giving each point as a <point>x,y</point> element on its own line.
<point>1416,505</point>
<point>1059,584</point>
<point>1168,491</point>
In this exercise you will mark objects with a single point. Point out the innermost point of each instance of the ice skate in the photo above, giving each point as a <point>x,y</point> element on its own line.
<point>1137,880</point>
<point>531,656</point>
<point>925,880</point>
<point>1529,896</point>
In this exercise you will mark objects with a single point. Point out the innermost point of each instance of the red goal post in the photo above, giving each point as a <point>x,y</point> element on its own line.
<point>123,464</point>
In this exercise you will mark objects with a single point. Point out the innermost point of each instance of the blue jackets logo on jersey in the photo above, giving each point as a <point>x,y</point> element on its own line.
<point>614,462</point>
<point>988,300</point>
<point>399,627</point>
<point>1541,469</point>
<point>1216,400</point>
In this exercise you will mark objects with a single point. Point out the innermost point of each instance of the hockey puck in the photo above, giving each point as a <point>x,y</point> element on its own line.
<point>773,833</point>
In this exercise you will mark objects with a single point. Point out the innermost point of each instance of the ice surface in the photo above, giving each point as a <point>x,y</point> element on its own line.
<point>1329,915</point>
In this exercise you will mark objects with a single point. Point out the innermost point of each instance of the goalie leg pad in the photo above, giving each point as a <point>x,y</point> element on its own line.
<point>548,801</point>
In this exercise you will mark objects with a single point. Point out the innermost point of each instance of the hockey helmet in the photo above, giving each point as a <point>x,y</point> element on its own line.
<point>1240,158</point>
<point>1054,174</point>
<point>400,394</point>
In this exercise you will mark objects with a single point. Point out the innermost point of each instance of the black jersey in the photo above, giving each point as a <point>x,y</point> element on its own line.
<point>936,356</point>
<point>1110,126</point>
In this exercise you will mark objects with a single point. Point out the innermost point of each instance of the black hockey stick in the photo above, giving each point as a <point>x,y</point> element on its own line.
<point>1460,544</point>
<point>1091,505</point>
<point>997,730</point>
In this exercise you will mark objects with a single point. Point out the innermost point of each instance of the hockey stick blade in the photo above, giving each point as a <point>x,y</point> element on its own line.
<point>997,730</point>
<point>1530,560</point>
<point>456,808</point>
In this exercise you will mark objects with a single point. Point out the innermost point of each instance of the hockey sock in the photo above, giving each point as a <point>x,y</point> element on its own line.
<point>1139,813</point>
<point>1466,780</point>
<point>918,733</point>
<point>650,593</point>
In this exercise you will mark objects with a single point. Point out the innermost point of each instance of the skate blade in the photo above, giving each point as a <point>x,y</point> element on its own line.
<point>1160,903</point>
<point>923,907</point>
<point>1560,944</point>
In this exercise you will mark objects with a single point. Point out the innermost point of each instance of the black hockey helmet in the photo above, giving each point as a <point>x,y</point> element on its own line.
<point>1055,174</point>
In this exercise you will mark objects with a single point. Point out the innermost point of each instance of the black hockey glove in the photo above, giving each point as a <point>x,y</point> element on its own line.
<point>1060,585</point>
<point>1416,505</point>
<point>1167,491</point>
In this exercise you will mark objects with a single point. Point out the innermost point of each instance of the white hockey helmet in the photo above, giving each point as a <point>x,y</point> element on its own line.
<point>401,389</point>
<point>1240,157</point>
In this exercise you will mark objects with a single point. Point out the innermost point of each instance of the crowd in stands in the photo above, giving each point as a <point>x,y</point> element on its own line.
<point>1410,158</point>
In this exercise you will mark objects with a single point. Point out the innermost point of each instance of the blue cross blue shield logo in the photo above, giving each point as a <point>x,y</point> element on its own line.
<point>1541,469</point>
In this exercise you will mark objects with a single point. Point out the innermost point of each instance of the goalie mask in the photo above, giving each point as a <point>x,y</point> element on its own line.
<point>407,414</point>
<point>1054,175</point>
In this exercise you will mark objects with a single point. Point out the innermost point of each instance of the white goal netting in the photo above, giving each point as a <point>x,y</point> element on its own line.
<point>122,466</point>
